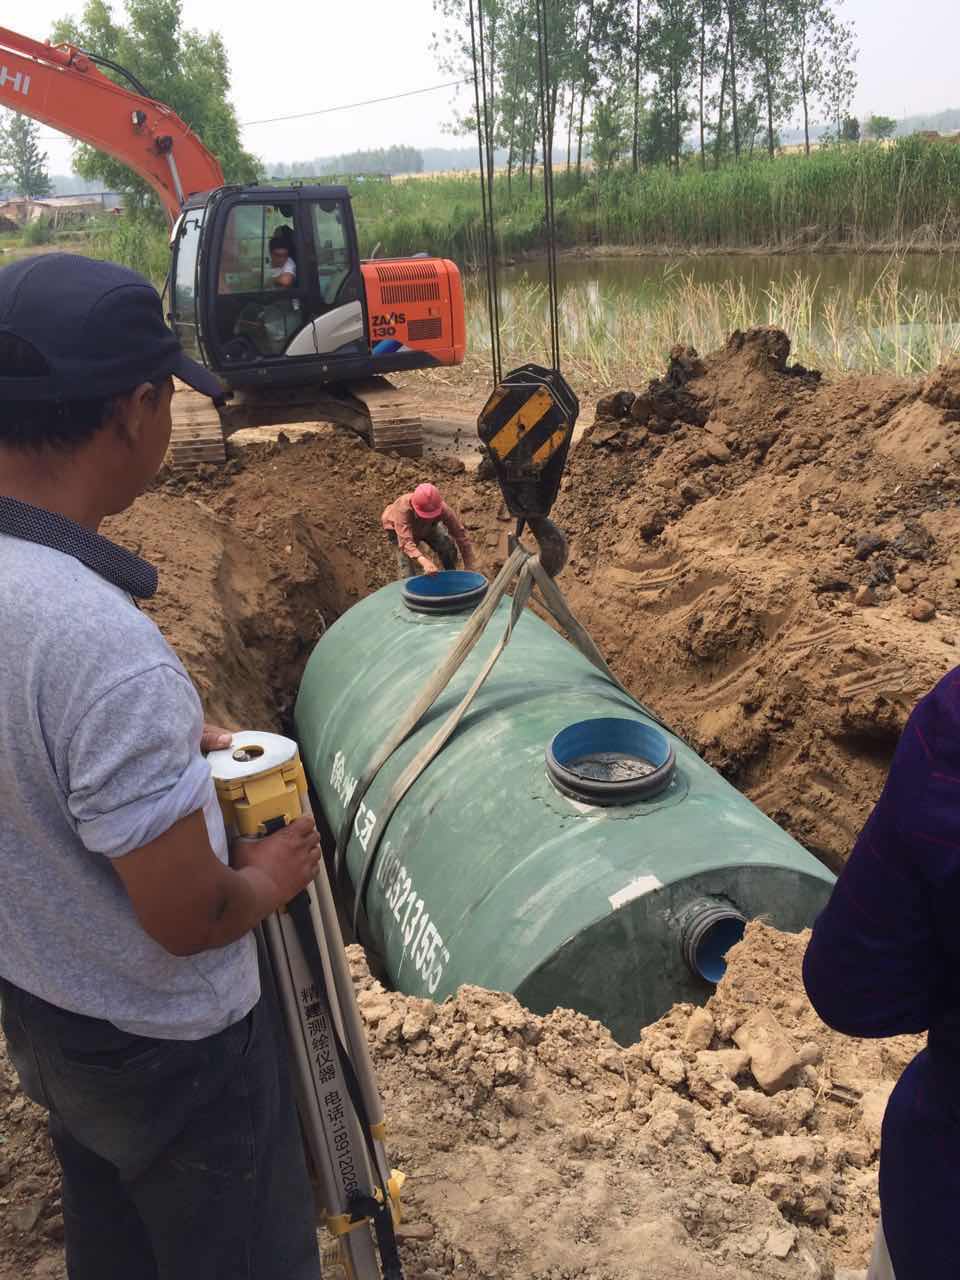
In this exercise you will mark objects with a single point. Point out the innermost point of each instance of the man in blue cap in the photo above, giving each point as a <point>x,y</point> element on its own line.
<point>129,979</point>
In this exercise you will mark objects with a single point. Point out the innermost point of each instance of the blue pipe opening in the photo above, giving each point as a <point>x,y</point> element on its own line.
<point>709,929</point>
<point>448,591</point>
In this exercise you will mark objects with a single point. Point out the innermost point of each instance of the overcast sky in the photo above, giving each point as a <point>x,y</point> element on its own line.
<point>310,54</point>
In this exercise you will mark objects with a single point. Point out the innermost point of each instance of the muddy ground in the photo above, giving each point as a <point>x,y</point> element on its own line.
<point>772,562</point>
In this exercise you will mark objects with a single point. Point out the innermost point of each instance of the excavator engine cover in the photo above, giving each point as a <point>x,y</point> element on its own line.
<point>415,304</point>
<point>526,427</point>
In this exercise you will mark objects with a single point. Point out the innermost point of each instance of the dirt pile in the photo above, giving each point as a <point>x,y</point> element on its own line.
<point>771,560</point>
<point>539,1147</point>
<point>258,558</point>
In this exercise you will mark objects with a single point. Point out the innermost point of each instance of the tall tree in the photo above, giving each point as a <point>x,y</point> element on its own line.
<point>711,38</point>
<point>733,14</point>
<point>637,74</point>
<point>672,36</point>
<point>182,68</point>
<point>879,128</point>
<point>839,71</point>
<point>23,166</point>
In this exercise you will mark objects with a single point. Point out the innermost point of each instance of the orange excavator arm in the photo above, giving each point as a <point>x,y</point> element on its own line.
<point>62,86</point>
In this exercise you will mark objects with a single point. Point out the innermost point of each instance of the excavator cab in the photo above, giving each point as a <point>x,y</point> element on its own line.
<point>268,288</point>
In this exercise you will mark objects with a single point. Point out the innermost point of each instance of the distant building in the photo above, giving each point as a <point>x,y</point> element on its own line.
<point>931,135</point>
<point>59,210</point>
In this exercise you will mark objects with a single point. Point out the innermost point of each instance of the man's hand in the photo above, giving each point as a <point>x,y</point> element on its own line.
<point>428,566</point>
<point>288,859</point>
<point>214,739</point>
<point>188,901</point>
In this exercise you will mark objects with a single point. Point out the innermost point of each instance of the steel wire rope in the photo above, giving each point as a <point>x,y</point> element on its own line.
<point>485,149</point>
<point>549,206</point>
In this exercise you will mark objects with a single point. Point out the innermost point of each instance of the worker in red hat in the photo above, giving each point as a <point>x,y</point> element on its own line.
<point>423,517</point>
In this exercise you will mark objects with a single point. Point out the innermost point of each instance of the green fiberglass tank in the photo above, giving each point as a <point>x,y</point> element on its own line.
<point>514,862</point>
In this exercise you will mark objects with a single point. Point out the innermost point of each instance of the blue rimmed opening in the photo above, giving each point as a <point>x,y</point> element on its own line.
<point>448,591</point>
<point>610,760</point>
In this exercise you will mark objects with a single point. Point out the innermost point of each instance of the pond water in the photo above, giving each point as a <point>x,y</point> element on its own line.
<point>620,316</point>
<point>646,277</point>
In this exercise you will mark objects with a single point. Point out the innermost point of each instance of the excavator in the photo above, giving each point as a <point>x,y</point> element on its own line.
<point>266,283</point>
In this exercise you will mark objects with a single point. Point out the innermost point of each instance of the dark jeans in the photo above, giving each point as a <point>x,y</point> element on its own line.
<point>181,1160</point>
<point>438,540</point>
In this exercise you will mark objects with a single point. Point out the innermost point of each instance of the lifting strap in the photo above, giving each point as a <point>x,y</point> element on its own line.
<point>523,571</point>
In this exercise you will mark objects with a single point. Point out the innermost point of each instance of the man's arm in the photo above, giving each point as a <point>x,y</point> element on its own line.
<point>189,902</point>
<point>406,540</point>
<point>460,536</point>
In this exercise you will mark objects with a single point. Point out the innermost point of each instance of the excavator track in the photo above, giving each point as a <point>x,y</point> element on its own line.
<point>382,414</point>
<point>197,437</point>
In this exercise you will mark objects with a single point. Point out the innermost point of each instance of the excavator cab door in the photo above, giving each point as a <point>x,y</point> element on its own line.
<point>184,314</point>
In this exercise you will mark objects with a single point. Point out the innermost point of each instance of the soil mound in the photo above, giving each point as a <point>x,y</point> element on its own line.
<point>770,560</point>
<point>539,1147</point>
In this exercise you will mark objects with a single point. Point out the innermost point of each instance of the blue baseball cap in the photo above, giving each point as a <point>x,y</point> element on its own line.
<point>98,327</point>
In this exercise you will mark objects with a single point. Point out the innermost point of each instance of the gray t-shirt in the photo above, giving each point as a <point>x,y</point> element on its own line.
<point>99,754</point>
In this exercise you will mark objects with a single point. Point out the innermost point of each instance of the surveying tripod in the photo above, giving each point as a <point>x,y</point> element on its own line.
<point>261,787</point>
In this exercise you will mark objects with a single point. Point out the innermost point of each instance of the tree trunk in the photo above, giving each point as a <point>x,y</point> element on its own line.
<point>636,95</point>
<point>583,89</point>
<point>734,117</point>
<point>767,74</point>
<point>718,143</point>
<point>804,87</point>
<point>703,78</point>
<point>570,111</point>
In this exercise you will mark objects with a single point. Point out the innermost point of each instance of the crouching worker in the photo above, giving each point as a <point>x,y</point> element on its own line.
<point>884,960</point>
<point>424,517</point>
<point>129,980</point>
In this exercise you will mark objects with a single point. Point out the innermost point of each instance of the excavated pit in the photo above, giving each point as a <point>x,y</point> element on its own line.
<point>770,561</point>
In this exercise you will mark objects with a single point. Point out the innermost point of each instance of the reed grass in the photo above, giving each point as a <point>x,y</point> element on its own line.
<point>905,195</point>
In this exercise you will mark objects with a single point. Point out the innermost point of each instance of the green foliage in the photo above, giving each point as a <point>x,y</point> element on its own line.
<point>134,241</point>
<point>737,71</point>
<point>184,69</point>
<point>36,233</point>
<point>881,127</point>
<point>23,166</point>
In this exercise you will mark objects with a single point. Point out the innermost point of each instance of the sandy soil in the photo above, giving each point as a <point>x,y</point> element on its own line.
<point>767,558</point>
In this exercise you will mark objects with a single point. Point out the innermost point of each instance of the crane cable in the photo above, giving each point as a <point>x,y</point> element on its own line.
<point>549,207</point>
<point>484,109</point>
<point>485,146</point>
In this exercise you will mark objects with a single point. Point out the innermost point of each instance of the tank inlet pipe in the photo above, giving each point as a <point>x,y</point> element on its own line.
<point>708,929</point>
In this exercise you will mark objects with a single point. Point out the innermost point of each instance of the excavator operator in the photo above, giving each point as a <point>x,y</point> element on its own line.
<point>423,517</point>
<point>283,269</point>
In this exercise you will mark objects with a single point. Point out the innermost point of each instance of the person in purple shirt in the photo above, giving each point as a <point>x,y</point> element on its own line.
<point>884,960</point>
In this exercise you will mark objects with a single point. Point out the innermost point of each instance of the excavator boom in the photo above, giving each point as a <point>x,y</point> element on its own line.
<point>63,87</point>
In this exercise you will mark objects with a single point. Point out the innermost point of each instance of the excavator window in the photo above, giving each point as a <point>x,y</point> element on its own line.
<point>260,305</point>
<point>332,247</point>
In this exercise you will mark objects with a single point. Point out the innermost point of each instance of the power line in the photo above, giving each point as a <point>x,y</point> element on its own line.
<point>323,111</point>
<point>350,106</point>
